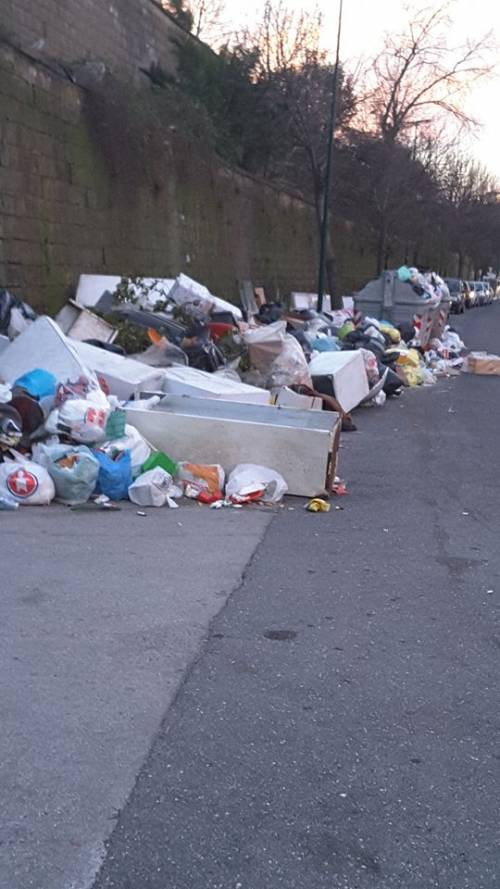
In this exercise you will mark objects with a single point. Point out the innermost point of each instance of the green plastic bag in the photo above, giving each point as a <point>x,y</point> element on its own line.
<point>158,458</point>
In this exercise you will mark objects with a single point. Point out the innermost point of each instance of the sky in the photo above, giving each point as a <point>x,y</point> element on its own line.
<point>364,25</point>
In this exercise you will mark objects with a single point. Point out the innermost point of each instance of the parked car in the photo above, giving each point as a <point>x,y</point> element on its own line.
<point>490,293</point>
<point>457,294</point>
<point>478,292</point>
<point>470,295</point>
<point>483,292</point>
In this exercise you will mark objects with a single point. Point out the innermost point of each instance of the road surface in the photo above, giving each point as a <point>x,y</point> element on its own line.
<point>339,726</point>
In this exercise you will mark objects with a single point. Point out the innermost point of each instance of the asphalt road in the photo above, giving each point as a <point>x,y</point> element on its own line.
<point>341,726</point>
<point>356,747</point>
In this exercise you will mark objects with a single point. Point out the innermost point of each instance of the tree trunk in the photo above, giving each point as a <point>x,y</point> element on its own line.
<point>460,263</point>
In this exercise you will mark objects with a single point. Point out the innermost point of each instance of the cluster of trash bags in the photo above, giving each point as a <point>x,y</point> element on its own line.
<point>429,286</point>
<point>68,439</point>
<point>70,442</point>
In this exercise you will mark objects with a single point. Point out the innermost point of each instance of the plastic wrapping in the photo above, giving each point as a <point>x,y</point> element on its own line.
<point>290,367</point>
<point>73,470</point>
<point>202,482</point>
<point>249,482</point>
<point>115,474</point>
<point>132,441</point>
<point>152,488</point>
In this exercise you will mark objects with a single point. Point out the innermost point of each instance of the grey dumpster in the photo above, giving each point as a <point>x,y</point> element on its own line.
<point>389,299</point>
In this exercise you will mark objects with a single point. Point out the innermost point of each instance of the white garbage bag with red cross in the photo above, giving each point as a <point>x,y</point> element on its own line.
<point>26,482</point>
<point>80,419</point>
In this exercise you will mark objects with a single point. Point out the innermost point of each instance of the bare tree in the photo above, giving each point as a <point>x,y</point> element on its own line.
<point>209,20</point>
<point>418,83</point>
<point>295,76</point>
<point>467,187</point>
<point>419,77</point>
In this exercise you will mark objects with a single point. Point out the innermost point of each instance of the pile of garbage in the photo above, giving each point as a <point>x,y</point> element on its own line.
<point>79,395</point>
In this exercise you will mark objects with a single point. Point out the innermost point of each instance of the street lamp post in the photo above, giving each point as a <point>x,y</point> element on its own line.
<point>328,172</point>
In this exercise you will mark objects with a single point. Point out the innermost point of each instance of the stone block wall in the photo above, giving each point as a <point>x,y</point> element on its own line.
<point>63,211</point>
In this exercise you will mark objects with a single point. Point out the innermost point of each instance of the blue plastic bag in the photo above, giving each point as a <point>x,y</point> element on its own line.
<point>38,383</point>
<point>73,470</point>
<point>115,475</point>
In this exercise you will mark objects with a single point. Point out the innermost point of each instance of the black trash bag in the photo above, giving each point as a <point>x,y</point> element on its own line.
<point>388,359</point>
<point>356,339</point>
<point>9,304</point>
<point>301,338</point>
<point>203,354</point>
<point>407,331</point>
<point>11,427</point>
<point>393,384</point>
<point>269,313</point>
<point>108,347</point>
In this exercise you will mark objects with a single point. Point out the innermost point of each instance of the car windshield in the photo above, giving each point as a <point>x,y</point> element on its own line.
<point>453,285</point>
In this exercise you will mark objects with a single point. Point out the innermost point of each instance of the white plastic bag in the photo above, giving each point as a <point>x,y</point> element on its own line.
<point>451,341</point>
<point>82,420</point>
<point>249,482</point>
<point>290,367</point>
<point>265,344</point>
<point>152,488</point>
<point>132,441</point>
<point>26,482</point>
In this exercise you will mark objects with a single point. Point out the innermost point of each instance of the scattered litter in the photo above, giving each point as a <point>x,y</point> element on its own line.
<point>339,489</point>
<point>8,503</point>
<point>317,504</point>
<point>153,390</point>
<point>248,482</point>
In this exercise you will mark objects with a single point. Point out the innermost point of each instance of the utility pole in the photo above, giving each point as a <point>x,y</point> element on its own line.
<point>328,172</point>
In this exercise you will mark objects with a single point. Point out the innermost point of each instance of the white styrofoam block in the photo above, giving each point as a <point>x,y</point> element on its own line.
<point>288,398</point>
<point>309,301</point>
<point>92,287</point>
<point>43,345</point>
<point>348,375</point>
<point>198,383</point>
<point>124,376</point>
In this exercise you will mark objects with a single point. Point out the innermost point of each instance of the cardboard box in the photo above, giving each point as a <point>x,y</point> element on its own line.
<point>481,363</point>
